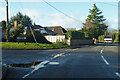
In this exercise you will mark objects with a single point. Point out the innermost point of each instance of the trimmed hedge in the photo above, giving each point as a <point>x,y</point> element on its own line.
<point>78,35</point>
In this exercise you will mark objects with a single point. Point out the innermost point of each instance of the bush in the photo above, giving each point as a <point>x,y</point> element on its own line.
<point>116,38</point>
<point>87,35</point>
<point>16,33</point>
<point>78,35</point>
<point>101,38</point>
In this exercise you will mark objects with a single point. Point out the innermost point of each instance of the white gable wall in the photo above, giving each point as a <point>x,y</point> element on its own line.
<point>55,39</point>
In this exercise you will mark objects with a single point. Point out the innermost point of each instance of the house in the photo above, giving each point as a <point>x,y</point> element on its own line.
<point>59,37</point>
<point>36,27</point>
<point>57,29</point>
<point>45,31</point>
<point>52,34</point>
<point>33,27</point>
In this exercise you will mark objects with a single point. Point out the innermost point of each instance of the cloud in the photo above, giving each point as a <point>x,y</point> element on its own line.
<point>112,23</point>
<point>115,21</point>
<point>2,11</point>
<point>58,19</point>
<point>33,14</point>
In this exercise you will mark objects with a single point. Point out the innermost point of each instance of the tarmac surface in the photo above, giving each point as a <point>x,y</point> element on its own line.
<point>91,62</point>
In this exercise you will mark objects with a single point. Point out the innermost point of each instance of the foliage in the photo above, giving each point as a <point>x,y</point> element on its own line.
<point>101,38</point>
<point>78,35</point>
<point>95,15</point>
<point>16,33</point>
<point>87,25</point>
<point>94,31</point>
<point>88,35</point>
<point>94,23</point>
<point>15,45</point>
<point>3,24</point>
<point>21,19</point>
<point>115,37</point>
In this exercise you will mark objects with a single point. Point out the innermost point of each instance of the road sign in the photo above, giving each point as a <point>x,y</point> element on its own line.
<point>21,37</point>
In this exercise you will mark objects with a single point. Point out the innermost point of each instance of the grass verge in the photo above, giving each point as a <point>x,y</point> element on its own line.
<point>27,46</point>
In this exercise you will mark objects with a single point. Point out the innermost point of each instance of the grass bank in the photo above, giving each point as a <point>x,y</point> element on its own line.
<point>27,46</point>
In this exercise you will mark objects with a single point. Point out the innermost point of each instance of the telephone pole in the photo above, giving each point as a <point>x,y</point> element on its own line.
<point>7,22</point>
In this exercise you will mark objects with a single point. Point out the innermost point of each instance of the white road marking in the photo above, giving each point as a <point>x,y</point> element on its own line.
<point>117,74</point>
<point>54,63</point>
<point>58,55</point>
<point>105,60</point>
<point>36,68</point>
<point>101,51</point>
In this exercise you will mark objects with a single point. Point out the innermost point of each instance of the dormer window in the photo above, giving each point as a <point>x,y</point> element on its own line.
<point>53,29</point>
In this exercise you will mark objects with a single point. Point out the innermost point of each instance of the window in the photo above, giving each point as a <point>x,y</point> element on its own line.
<point>53,29</point>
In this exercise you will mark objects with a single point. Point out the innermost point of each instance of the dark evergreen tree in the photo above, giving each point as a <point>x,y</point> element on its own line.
<point>95,15</point>
<point>95,22</point>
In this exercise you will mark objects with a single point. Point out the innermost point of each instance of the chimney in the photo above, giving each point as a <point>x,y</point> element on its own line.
<point>34,24</point>
<point>15,24</point>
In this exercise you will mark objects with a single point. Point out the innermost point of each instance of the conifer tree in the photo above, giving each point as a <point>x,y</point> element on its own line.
<point>95,22</point>
<point>95,15</point>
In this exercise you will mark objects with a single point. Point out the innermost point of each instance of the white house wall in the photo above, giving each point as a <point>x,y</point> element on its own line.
<point>55,39</point>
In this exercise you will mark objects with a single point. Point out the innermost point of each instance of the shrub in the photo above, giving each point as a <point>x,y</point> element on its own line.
<point>116,38</point>
<point>78,35</point>
<point>101,38</point>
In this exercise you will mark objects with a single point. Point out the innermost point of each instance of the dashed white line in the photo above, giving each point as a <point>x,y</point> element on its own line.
<point>101,51</point>
<point>105,60</point>
<point>117,74</point>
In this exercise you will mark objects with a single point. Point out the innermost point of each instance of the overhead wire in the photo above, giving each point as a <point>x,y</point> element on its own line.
<point>68,15</point>
<point>61,11</point>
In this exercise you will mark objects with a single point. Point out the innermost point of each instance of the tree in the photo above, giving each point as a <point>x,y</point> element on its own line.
<point>21,19</point>
<point>16,33</point>
<point>95,22</point>
<point>95,15</point>
<point>3,23</point>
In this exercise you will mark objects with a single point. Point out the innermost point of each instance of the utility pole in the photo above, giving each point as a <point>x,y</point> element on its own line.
<point>7,22</point>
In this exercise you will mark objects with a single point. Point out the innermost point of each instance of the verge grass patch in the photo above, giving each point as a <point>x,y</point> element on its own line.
<point>15,45</point>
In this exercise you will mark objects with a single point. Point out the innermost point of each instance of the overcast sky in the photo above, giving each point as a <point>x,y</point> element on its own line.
<point>44,15</point>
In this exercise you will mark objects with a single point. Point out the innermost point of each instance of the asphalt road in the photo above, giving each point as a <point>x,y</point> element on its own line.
<point>88,62</point>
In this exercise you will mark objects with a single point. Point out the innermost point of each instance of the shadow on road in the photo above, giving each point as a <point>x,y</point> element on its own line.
<point>105,44</point>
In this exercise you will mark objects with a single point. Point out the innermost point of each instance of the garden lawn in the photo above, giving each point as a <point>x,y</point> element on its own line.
<point>15,45</point>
